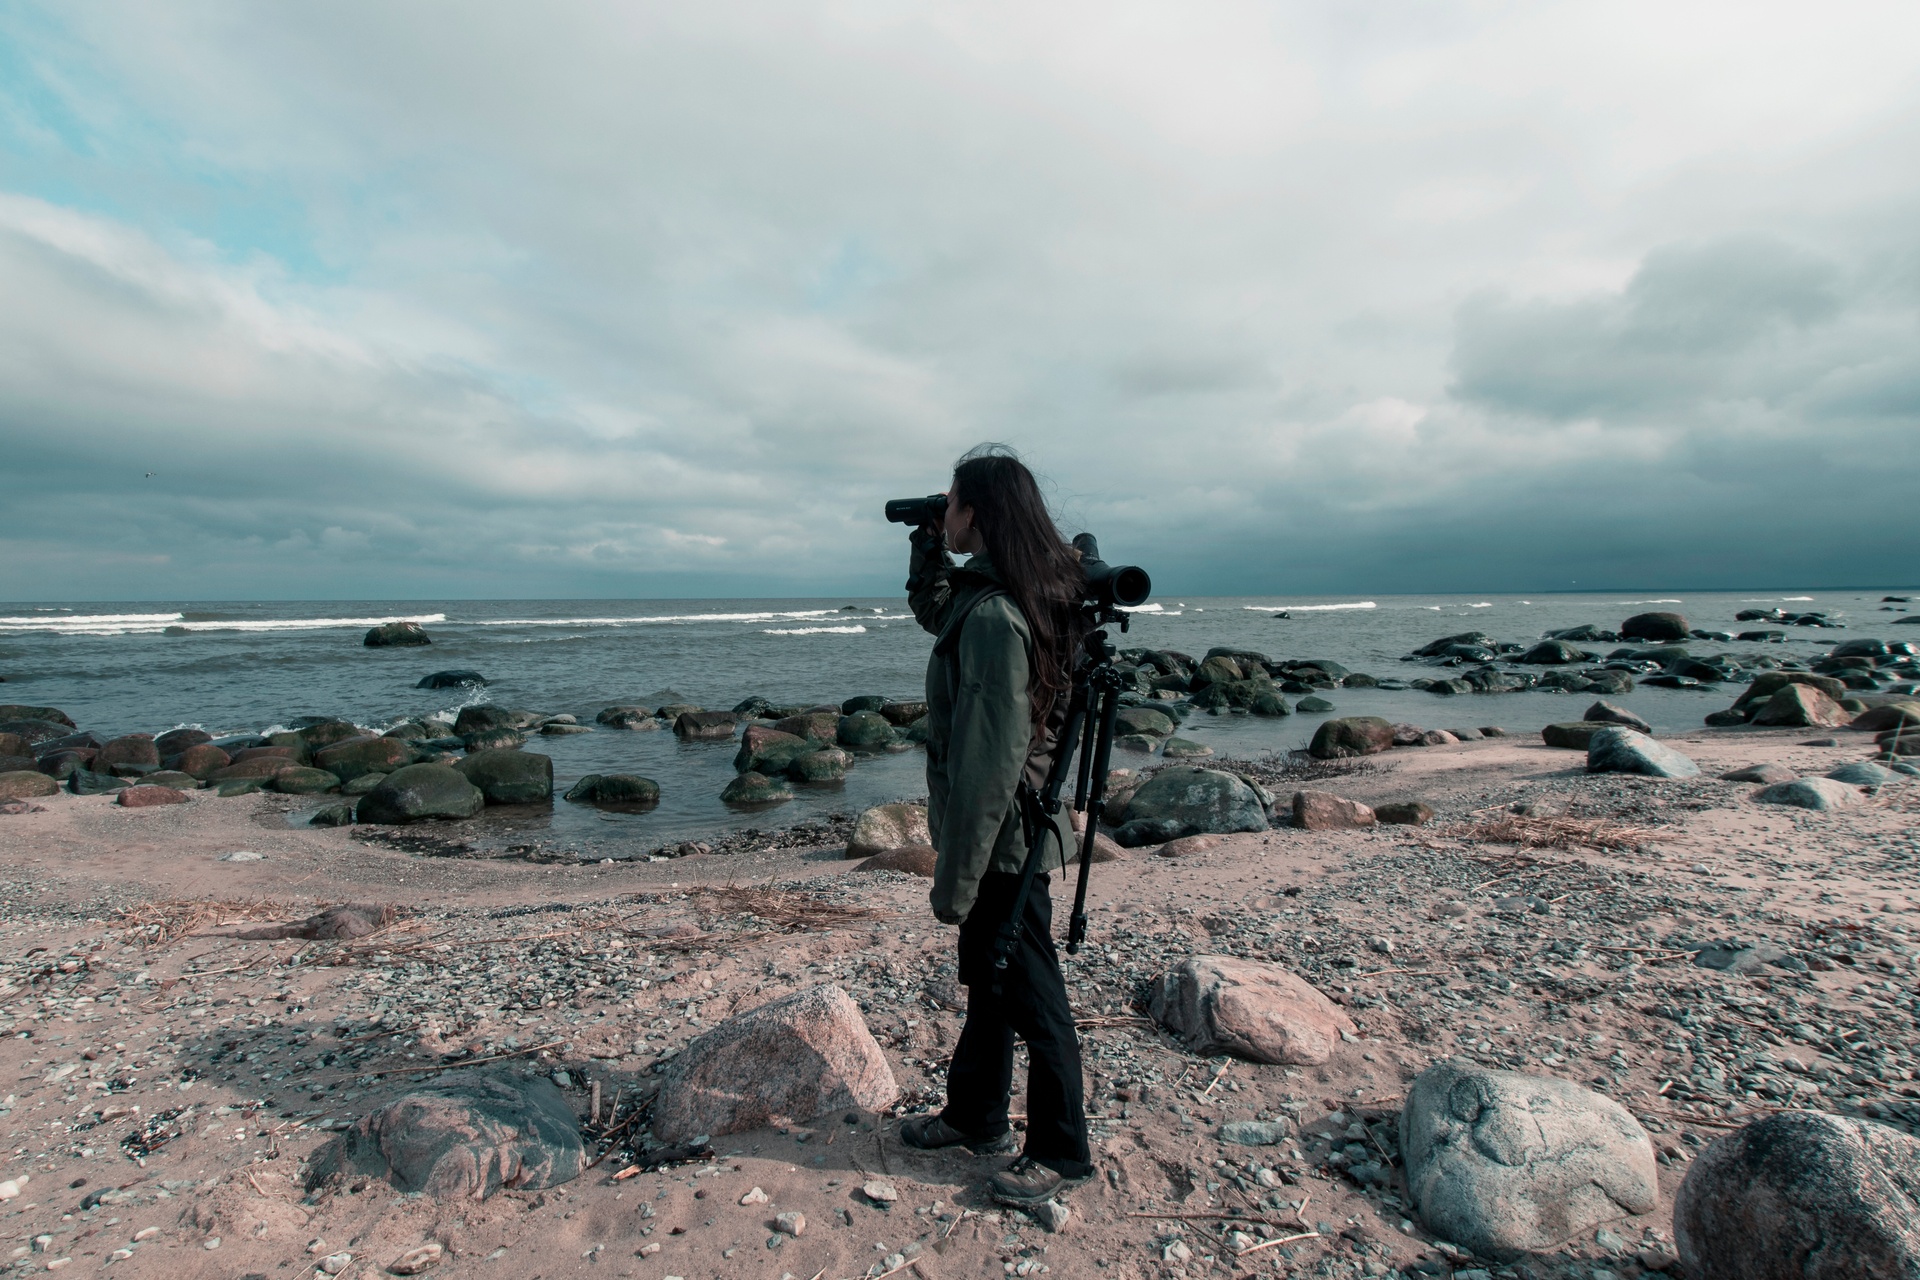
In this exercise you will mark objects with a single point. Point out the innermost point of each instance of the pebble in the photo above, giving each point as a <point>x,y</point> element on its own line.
<point>334,1263</point>
<point>1052,1215</point>
<point>879,1192</point>
<point>793,1224</point>
<point>755,1196</point>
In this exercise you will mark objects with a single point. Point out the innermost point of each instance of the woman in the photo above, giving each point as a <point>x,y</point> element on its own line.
<point>997,692</point>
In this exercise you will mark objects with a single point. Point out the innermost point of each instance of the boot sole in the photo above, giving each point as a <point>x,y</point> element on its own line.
<point>999,1146</point>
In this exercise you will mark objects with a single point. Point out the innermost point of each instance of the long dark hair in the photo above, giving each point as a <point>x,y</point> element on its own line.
<point>1041,572</point>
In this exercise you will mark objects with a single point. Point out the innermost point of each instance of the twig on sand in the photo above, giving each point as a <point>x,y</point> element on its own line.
<point>470,1062</point>
<point>1278,1240</point>
<point>1556,833</point>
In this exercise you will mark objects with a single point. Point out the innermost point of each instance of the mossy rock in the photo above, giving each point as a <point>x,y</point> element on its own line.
<point>755,790</point>
<point>303,781</point>
<point>616,790</point>
<point>820,767</point>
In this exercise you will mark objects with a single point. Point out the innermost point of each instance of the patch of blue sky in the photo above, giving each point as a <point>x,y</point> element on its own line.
<point>853,271</point>
<point>72,137</point>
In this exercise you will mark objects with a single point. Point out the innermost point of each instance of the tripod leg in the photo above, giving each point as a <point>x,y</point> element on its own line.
<point>1100,749</point>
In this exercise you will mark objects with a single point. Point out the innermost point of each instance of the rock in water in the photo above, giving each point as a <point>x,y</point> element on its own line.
<point>863,731</point>
<point>390,635</point>
<point>1351,736</point>
<point>355,756</point>
<point>1324,811</point>
<point>469,1137</point>
<point>1768,683</point>
<point>1802,1196</point>
<point>1820,794</point>
<point>783,1063</point>
<point>1605,712</point>
<point>453,680</point>
<point>1553,653</point>
<point>1799,706</point>
<point>1183,800</point>
<point>820,768</point>
<point>421,792</point>
<point>616,789</point>
<point>705,726</point>
<point>1616,749</point>
<point>888,826</point>
<point>510,777</point>
<point>1143,720</point>
<point>26,784</point>
<point>751,790</point>
<point>628,718</point>
<point>1507,1163</point>
<point>1219,1004</point>
<point>769,751</point>
<point>1655,626</point>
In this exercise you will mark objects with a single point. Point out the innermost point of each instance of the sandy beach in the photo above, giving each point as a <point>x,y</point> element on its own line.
<point>169,1079</point>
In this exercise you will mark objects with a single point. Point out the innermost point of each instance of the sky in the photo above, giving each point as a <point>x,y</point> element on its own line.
<point>484,300</point>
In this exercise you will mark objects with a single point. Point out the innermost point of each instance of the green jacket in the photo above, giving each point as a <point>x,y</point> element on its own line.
<point>981,739</point>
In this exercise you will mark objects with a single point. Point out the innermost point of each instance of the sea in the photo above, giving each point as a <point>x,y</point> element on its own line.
<point>249,667</point>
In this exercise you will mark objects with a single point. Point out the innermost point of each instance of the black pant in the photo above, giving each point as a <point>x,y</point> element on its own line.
<point>1032,1004</point>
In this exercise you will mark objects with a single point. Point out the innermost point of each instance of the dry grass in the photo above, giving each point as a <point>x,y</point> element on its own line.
<point>1557,833</point>
<point>155,924</point>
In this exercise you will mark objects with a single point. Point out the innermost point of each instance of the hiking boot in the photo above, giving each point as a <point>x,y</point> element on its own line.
<point>1027,1181</point>
<point>931,1133</point>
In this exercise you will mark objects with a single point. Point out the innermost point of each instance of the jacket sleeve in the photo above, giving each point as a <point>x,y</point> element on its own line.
<point>929,594</point>
<point>986,752</point>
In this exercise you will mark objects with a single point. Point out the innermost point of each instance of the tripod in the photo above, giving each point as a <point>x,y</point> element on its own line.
<point>1091,709</point>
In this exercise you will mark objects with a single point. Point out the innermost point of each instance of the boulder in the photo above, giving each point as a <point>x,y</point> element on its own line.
<point>1572,735</point>
<point>333,815</point>
<point>902,714</point>
<point>1185,800</point>
<point>864,731</point>
<point>303,781</point>
<point>1187,846</point>
<point>1892,715</point>
<point>1819,794</point>
<point>914,859</point>
<point>1768,683</point>
<point>1553,653</point>
<point>1405,813</point>
<point>22,711</point>
<point>1148,720</point>
<point>202,761</point>
<point>63,764</point>
<point>1221,1004</point>
<point>820,768</point>
<point>363,784</point>
<point>1351,736</point>
<point>563,728</point>
<point>769,751</point>
<point>12,744</point>
<point>624,790</point>
<point>292,755</point>
<point>862,702</point>
<point>37,732</point>
<point>326,733</point>
<point>174,741</point>
<point>467,1136</point>
<point>888,826</point>
<point>419,793</point>
<point>1802,1195</point>
<point>389,635</point>
<point>509,777</point>
<point>494,740</point>
<point>1618,749</point>
<point>1507,1163</point>
<point>1475,639</point>
<point>257,767</point>
<point>1801,706</point>
<point>751,790</point>
<point>1324,811</point>
<point>148,796</point>
<point>85,782</point>
<point>481,719</point>
<point>132,748</point>
<point>1185,749</point>
<point>356,756</point>
<point>1655,626</point>
<point>820,726</point>
<point>786,1062</point>
<point>26,784</point>
<point>19,764</point>
<point>1863,773</point>
<point>1605,712</point>
<point>1311,705</point>
<point>170,778</point>
<point>1727,719</point>
<point>628,718</point>
<point>453,680</point>
<point>705,726</point>
<point>1764,774</point>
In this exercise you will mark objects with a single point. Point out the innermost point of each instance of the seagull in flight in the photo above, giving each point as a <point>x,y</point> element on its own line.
<point>149,475</point>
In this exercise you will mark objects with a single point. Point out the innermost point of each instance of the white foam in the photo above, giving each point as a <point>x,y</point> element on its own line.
<point>124,624</point>
<point>814,631</point>
<point>796,615</point>
<point>1144,608</point>
<point>1313,608</point>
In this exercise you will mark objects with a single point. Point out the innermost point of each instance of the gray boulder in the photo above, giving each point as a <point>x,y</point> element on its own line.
<point>510,777</point>
<point>750,790</point>
<point>798,1057</point>
<point>629,718</point>
<point>705,726</point>
<point>1863,773</point>
<point>1351,736</point>
<point>1605,712</point>
<point>1143,720</point>
<point>452,680</point>
<point>616,789</point>
<point>1507,1163</point>
<point>1655,626</point>
<point>769,751</point>
<point>355,756</point>
<point>1572,735</point>
<point>481,719</point>
<point>864,731</point>
<point>467,1138</point>
<point>888,826</point>
<point>1553,653</point>
<point>1764,774</point>
<point>390,635</point>
<point>1185,800</point>
<point>1802,1195</point>
<point>1616,749</point>
<point>420,793</point>
<point>1819,794</point>
<point>26,784</point>
<point>821,767</point>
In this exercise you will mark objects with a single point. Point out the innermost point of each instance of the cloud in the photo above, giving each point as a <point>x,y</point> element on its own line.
<point>432,301</point>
